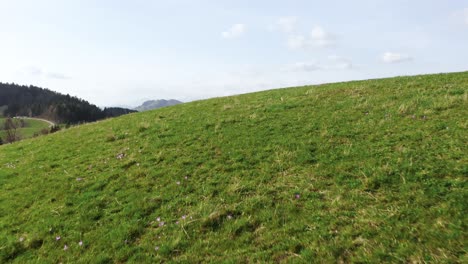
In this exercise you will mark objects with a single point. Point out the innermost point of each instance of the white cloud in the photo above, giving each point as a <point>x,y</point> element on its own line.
<point>340,63</point>
<point>392,57</point>
<point>297,42</point>
<point>57,75</point>
<point>321,38</point>
<point>464,15</point>
<point>333,63</point>
<point>461,16</point>
<point>41,73</point>
<point>287,24</point>
<point>318,38</point>
<point>32,70</point>
<point>304,67</point>
<point>235,31</point>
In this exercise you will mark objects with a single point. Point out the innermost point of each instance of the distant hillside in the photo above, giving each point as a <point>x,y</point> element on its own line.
<point>32,101</point>
<point>369,171</point>
<point>154,104</point>
<point>23,128</point>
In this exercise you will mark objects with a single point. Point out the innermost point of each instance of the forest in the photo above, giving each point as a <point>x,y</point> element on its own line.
<point>32,101</point>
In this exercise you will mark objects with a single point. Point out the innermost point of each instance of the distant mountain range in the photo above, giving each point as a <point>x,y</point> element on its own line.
<point>32,101</point>
<point>154,104</point>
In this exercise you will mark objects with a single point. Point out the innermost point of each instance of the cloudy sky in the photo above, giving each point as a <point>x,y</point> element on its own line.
<point>116,52</point>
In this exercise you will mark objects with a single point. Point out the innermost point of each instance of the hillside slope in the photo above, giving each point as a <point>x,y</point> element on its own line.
<point>371,171</point>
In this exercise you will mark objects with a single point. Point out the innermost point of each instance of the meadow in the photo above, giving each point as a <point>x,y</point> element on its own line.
<point>365,171</point>
<point>31,128</point>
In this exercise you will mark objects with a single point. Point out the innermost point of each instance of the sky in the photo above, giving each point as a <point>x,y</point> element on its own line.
<point>120,53</point>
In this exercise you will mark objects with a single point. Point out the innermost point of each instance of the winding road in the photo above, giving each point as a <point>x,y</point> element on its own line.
<point>51,124</point>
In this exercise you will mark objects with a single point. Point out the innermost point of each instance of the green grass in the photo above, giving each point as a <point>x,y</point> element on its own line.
<point>365,171</point>
<point>32,127</point>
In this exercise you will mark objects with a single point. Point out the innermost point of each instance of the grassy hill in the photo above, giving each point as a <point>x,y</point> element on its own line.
<point>364,171</point>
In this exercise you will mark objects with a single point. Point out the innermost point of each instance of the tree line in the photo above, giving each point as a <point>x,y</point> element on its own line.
<point>32,101</point>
